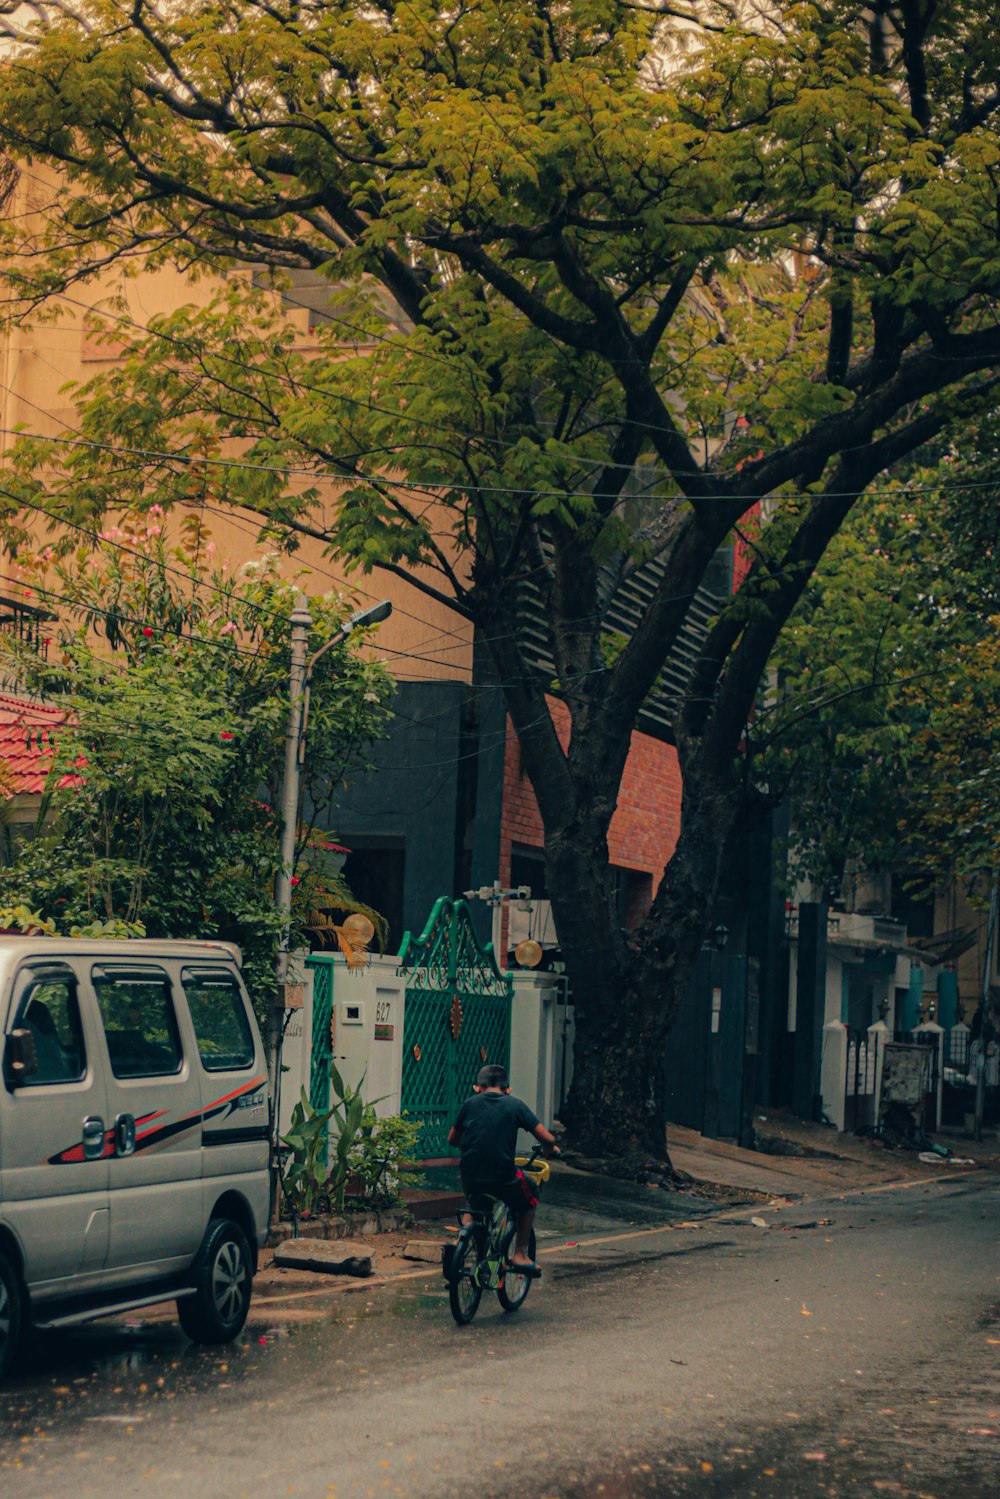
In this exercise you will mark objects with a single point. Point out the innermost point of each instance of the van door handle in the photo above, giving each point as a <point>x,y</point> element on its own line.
<point>125,1134</point>
<point>93,1138</point>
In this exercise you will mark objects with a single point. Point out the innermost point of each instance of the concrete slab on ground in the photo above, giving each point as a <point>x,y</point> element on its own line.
<point>790,1175</point>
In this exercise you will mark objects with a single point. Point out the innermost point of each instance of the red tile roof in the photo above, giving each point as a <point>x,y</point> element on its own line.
<point>27,735</point>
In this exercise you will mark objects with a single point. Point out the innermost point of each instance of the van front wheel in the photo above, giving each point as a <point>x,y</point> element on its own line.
<point>11,1315</point>
<point>222,1274</point>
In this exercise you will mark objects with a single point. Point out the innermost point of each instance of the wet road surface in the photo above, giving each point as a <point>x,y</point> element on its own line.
<point>859,1356</point>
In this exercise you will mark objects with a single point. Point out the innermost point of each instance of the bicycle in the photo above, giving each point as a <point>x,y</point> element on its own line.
<point>480,1257</point>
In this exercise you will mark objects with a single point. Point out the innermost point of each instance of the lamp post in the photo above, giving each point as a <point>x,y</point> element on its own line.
<point>300,681</point>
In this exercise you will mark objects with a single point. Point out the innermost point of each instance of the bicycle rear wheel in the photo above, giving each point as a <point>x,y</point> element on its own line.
<point>464,1290</point>
<point>514,1288</point>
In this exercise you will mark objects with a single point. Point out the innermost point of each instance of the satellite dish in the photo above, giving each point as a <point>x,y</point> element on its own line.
<point>528,953</point>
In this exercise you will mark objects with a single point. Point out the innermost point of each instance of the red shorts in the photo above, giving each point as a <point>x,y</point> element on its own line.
<point>517,1194</point>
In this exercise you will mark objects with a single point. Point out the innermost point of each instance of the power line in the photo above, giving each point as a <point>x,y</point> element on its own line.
<point>33,588</point>
<point>113,542</point>
<point>121,546</point>
<point>230,514</point>
<point>462,641</point>
<point>496,738</point>
<point>423,486</point>
<point>370,336</point>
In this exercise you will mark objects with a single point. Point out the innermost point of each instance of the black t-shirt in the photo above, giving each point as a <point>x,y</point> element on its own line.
<point>488,1124</point>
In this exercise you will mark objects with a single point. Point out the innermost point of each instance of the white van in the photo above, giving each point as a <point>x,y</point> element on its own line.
<point>133,1134</point>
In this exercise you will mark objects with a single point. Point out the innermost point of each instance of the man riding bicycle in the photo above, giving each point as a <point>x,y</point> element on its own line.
<point>485,1129</point>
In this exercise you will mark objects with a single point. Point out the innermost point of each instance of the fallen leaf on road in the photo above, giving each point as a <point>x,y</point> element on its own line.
<point>814,1457</point>
<point>806,1312</point>
<point>758,1222</point>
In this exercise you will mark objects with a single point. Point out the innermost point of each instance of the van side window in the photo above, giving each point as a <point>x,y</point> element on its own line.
<point>49,1010</point>
<point>139,1021</point>
<point>225,1042</point>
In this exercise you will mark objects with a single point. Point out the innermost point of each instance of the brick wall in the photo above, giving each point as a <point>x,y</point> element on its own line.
<point>646,823</point>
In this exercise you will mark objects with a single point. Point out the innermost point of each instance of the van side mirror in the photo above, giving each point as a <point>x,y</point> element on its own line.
<point>21,1058</point>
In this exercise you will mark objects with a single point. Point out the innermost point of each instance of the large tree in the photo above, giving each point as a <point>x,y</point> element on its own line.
<point>613,282</point>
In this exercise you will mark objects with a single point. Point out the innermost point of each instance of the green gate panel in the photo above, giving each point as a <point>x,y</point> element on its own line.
<point>425,1091</point>
<point>458,1011</point>
<point>322,1039</point>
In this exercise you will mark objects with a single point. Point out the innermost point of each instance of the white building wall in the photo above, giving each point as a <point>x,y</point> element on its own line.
<point>369,1012</point>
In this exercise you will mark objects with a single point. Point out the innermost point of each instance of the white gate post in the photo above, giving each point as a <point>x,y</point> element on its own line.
<point>533,1048</point>
<point>878,1036</point>
<point>833,1071</point>
<point>296,1051</point>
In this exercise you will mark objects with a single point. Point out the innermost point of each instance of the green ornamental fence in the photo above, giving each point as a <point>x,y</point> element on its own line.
<point>458,1008</point>
<point>457,1017</point>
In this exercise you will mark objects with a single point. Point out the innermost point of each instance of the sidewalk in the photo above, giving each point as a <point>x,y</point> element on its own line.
<point>799,1157</point>
<point>796,1161</point>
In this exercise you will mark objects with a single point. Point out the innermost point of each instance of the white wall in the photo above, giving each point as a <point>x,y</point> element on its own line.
<point>534,1049</point>
<point>368,1014</point>
<point>296,1050</point>
<point>369,1011</point>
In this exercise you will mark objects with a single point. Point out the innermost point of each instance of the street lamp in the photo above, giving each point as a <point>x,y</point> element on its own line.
<point>373,616</point>
<point>720,936</point>
<point>300,682</point>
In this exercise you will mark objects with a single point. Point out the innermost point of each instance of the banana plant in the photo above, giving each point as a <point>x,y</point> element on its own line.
<point>348,1116</point>
<point>306,1175</point>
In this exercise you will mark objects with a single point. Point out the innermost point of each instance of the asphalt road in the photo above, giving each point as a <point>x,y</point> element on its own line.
<point>855,1357</point>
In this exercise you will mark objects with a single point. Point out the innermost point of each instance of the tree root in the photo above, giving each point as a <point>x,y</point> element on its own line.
<point>635,1167</point>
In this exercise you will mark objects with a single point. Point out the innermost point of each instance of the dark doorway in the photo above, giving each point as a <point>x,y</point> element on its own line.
<point>375,877</point>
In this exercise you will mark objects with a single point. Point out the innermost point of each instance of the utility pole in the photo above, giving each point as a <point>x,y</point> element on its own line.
<point>301,619</point>
<point>289,995</point>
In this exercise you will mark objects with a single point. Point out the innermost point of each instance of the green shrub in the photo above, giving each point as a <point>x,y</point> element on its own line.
<point>380,1157</point>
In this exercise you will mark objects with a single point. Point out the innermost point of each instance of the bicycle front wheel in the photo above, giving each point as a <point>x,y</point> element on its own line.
<point>464,1290</point>
<point>514,1288</point>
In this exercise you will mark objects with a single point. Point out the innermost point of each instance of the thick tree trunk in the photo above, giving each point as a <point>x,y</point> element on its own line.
<point>626,993</point>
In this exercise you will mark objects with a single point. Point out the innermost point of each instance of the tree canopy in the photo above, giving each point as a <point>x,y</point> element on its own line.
<point>609,282</point>
<point>883,719</point>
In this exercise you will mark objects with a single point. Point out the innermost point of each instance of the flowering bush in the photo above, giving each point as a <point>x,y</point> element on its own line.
<point>180,726</point>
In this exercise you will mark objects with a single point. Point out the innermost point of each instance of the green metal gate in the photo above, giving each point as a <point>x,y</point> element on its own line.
<point>322,1032</point>
<point>458,1007</point>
